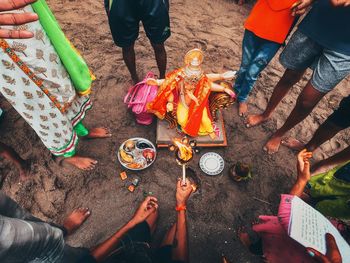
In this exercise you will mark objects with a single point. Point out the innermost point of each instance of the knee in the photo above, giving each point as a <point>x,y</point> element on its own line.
<point>255,69</point>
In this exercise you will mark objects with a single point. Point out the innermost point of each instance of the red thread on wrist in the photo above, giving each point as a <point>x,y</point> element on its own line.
<point>180,208</point>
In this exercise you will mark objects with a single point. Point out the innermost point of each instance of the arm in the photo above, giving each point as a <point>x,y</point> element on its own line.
<point>102,251</point>
<point>155,82</point>
<point>218,88</point>
<point>15,19</point>
<point>303,168</point>
<point>228,75</point>
<point>180,246</point>
<point>332,255</point>
<point>339,158</point>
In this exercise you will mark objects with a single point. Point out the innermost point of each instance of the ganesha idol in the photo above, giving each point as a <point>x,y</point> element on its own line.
<point>188,98</point>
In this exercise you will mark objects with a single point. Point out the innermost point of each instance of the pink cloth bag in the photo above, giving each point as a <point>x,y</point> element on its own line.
<point>137,98</point>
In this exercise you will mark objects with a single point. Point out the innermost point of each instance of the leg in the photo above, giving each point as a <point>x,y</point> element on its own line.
<point>324,133</point>
<point>152,221</point>
<point>22,165</point>
<point>250,44</point>
<point>161,58</point>
<point>288,80</point>
<point>9,208</point>
<point>331,162</point>
<point>330,68</point>
<point>298,55</point>
<point>27,241</point>
<point>130,62</point>
<point>156,22</point>
<point>336,122</point>
<point>169,237</point>
<point>306,102</point>
<point>261,58</point>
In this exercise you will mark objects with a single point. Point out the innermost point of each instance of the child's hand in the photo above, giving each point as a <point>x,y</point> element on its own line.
<point>333,254</point>
<point>303,166</point>
<point>300,7</point>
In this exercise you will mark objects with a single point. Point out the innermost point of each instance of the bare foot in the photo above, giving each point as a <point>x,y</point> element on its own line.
<point>76,219</point>
<point>293,144</point>
<point>242,109</point>
<point>244,237</point>
<point>82,163</point>
<point>254,120</point>
<point>96,133</point>
<point>273,145</point>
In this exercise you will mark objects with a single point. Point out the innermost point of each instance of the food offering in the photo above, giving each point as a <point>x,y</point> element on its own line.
<point>137,154</point>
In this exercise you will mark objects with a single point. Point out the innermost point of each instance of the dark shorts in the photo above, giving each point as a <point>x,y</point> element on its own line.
<point>135,247</point>
<point>329,67</point>
<point>125,17</point>
<point>340,117</point>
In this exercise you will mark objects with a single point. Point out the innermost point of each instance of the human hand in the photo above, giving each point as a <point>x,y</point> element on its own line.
<point>15,19</point>
<point>147,207</point>
<point>303,165</point>
<point>230,92</point>
<point>332,255</point>
<point>228,75</point>
<point>183,191</point>
<point>152,82</point>
<point>341,3</point>
<point>169,107</point>
<point>300,7</point>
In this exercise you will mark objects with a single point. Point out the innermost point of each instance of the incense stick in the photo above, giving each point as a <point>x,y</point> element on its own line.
<point>184,174</point>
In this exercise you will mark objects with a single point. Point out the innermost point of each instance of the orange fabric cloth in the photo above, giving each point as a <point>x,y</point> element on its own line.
<point>271,19</point>
<point>171,86</point>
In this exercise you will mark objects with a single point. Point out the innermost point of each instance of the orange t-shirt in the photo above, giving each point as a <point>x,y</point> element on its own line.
<point>271,19</point>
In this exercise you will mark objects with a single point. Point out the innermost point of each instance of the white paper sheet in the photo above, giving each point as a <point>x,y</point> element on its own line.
<point>309,227</point>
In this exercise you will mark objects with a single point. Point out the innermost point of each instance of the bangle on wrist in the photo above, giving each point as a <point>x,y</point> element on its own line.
<point>180,208</point>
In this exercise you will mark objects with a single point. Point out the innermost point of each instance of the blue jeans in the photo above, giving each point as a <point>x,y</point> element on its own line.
<point>256,55</point>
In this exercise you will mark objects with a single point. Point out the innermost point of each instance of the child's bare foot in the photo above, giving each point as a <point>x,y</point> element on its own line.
<point>293,144</point>
<point>255,120</point>
<point>76,219</point>
<point>273,145</point>
<point>96,133</point>
<point>82,163</point>
<point>242,109</point>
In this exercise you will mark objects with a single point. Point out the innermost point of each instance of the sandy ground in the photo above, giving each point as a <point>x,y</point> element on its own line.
<point>221,205</point>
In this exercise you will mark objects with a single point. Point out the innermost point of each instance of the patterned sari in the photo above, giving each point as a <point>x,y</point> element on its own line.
<point>38,85</point>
